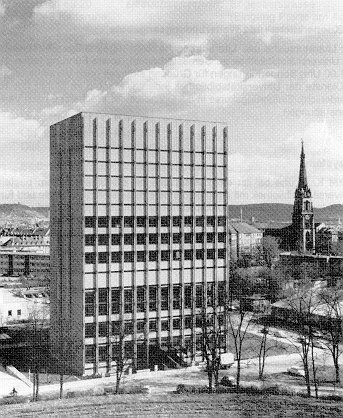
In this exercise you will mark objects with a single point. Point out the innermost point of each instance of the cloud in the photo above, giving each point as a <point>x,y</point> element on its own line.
<point>4,71</point>
<point>52,111</point>
<point>24,172</point>
<point>19,10</point>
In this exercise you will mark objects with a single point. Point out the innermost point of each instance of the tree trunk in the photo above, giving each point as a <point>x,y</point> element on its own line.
<point>37,385</point>
<point>314,372</point>
<point>238,375</point>
<point>336,363</point>
<point>210,381</point>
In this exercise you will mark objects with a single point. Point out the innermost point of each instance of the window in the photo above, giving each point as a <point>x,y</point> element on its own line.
<point>222,253</point>
<point>165,255</point>
<point>90,258</point>
<point>188,238</point>
<point>129,256</point>
<point>165,238</point>
<point>103,257</point>
<point>177,238</point>
<point>210,294</point>
<point>153,238</point>
<point>152,298</point>
<point>221,237</point>
<point>90,330</point>
<point>200,237</point>
<point>199,220</point>
<point>103,352</point>
<point>89,302</point>
<point>153,221</point>
<point>9,313</point>
<point>164,325</point>
<point>188,296</point>
<point>199,293</point>
<point>115,301</point>
<point>176,255</point>
<point>103,301</point>
<point>141,239</point>
<point>211,221</point>
<point>199,254</point>
<point>103,239</point>
<point>221,220</point>
<point>90,353</point>
<point>141,302</point>
<point>116,239</point>
<point>128,327</point>
<point>176,323</point>
<point>90,222</point>
<point>188,254</point>
<point>153,255</point>
<point>116,221</point>
<point>211,237</point>
<point>198,321</point>
<point>176,297</point>
<point>152,325</point>
<point>140,326</point>
<point>129,221</point>
<point>103,221</point>
<point>188,220</point>
<point>128,300</point>
<point>140,220</point>
<point>211,254</point>
<point>176,220</point>
<point>164,298</point>
<point>116,326</point>
<point>103,329</point>
<point>141,256</point>
<point>165,220</point>
<point>116,257</point>
<point>188,322</point>
<point>90,239</point>
<point>221,293</point>
<point>18,312</point>
<point>129,239</point>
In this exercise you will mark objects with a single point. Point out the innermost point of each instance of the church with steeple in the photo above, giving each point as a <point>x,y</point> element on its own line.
<point>302,230</point>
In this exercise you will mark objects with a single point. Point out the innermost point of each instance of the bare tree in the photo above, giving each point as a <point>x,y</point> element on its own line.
<point>119,355</point>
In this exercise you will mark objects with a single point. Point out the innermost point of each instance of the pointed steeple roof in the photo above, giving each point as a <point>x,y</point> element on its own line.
<point>302,173</point>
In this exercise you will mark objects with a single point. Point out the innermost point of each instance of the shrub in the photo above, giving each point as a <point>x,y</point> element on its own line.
<point>226,381</point>
<point>11,400</point>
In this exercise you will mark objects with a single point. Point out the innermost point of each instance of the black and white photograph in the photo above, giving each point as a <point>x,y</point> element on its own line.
<point>171,208</point>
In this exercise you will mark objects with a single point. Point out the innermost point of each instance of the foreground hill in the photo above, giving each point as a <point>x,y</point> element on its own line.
<point>279,212</point>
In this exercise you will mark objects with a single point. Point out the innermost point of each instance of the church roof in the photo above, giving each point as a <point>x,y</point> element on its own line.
<point>302,173</point>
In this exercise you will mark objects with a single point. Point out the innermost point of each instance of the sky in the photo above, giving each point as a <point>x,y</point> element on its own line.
<point>271,69</point>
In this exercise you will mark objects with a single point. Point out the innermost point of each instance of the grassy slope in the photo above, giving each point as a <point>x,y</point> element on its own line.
<point>232,405</point>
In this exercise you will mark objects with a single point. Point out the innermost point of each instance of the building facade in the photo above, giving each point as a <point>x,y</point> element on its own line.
<point>138,237</point>
<point>21,263</point>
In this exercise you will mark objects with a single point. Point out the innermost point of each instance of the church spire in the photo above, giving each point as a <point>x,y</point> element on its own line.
<point>302,173</point>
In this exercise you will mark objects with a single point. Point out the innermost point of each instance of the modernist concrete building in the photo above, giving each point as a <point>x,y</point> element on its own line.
<point>138,237</point>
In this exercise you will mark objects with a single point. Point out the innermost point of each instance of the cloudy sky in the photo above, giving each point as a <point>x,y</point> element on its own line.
<point>272,69</point>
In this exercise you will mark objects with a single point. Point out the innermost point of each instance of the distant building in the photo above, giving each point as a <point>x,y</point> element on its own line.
<point>246,237</point>
<point>24,263</point>
<point>138,237</point>
<point>23,305</point>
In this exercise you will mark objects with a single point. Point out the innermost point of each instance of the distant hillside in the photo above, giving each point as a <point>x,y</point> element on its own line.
<point>279,212</point>
<point>16,214</point>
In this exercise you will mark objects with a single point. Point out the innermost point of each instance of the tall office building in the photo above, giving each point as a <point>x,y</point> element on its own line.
<point>138,237</point>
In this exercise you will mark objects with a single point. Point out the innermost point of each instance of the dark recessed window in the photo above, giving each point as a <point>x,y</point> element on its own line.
<point>211,221</point>
<point>116,221</point>
<point>103,329</point>
<point>221,237</point>
<point>129,221</point>
<point>103,258</point>
<point>128,300</point>
<point>141,220</point>
<point>188,220</point>
<point>103,221</point>
<point>176,220</point>
<point>188,254</point>
<point>211,254</point>
<point>140,326</point>
<point>200,237</point>
<point>165,255</point>
<point>188,238</point>
<point>153,221</point>
<point>141,256</point>
<point>103,239</point>
<point>90,330</point>
<point>211,237</point>
<point>188,296</point>
<point>115,301</point>
<point>164,325</point>
<point>188,322</point>
<point>152,325</point>
<point>199,296</point>
<point>153,255</point>
<point>222,253</point>
<point>129,256</point>
<point>90,258</point>
<point>128,327</point>
<point>165,238</point>
<point>153,238</point>
<point>129,239</point>
<point>176,255</point>
<point>199,220</point>
<point>116,238</point>
<point>141,300</point>
<point>176,323</point>
<point>164,298</point>
<point>103,352</point>
<point>177,238</point>
<point>176,297</point>
<point>165,220</point>
<point>152,298</point>
<point>199,254</point>
<point>90,353</point>
<point>141,239</point>
<point>90,221</point>
<point>221,220</point>
<point>90,239</point>
<point>116,257</point>
<point>103,301</point>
